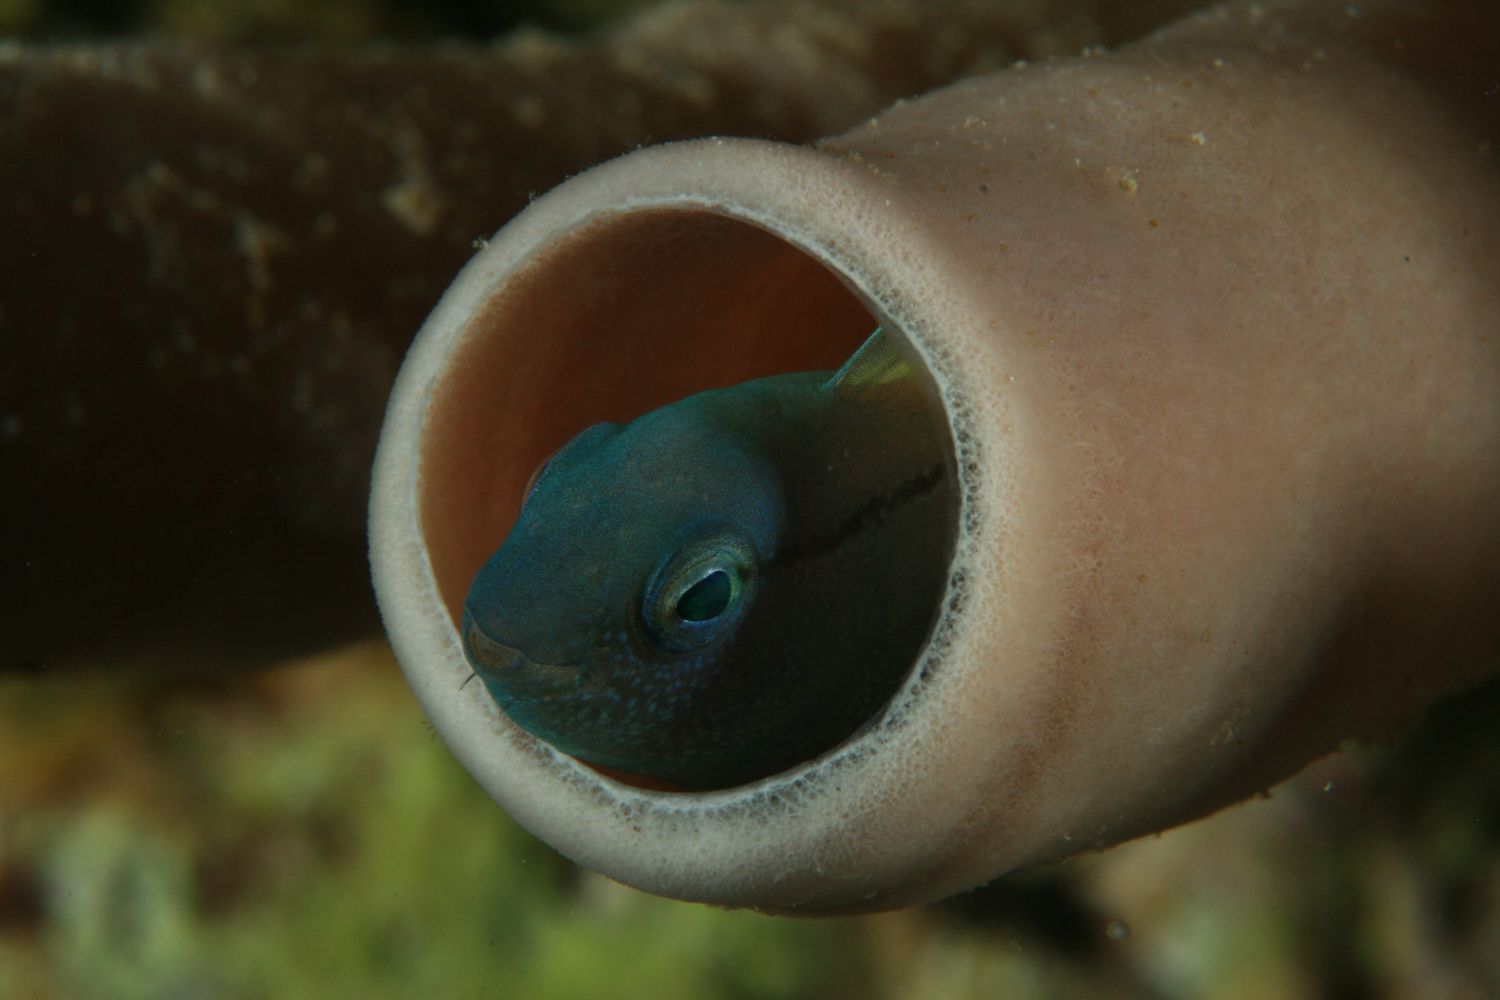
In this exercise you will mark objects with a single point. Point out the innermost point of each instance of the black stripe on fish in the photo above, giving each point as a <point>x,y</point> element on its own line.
<point>868,516</point>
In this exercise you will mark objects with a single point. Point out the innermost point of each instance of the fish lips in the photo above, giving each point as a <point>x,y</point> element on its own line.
<point>510,675</point>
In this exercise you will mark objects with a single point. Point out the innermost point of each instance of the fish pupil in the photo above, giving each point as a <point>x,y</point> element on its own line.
<point>707,599</point>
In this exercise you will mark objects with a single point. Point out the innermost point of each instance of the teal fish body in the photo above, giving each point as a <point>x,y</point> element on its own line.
<point>726,586</point>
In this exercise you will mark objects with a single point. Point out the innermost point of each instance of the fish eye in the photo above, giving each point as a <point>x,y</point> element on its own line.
<point>709,597</point>
<point>698,592</point>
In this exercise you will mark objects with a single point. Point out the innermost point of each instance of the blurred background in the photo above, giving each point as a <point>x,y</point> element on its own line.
<point>243,816</point>
<point>258,21</point>
<point>301,832</point>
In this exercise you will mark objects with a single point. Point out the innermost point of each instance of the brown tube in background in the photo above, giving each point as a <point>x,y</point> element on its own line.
<point>213,259</point>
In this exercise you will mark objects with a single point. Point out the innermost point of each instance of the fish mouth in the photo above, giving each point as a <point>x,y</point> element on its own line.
<point>511,675</point>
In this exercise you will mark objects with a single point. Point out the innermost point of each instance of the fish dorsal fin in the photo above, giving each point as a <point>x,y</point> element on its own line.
<point>877,362</point>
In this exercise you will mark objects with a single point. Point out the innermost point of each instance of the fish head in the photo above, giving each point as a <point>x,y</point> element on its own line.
<point>637,555</point>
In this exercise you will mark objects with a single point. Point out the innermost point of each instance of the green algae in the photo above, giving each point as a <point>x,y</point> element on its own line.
<point>306,835</point>
<point>303,833</point>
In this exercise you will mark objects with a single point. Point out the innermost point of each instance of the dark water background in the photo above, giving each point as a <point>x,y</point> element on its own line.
<point>281,21</point>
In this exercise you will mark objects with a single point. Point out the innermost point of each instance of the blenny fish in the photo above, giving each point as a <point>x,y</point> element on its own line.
<point>726,586</point>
